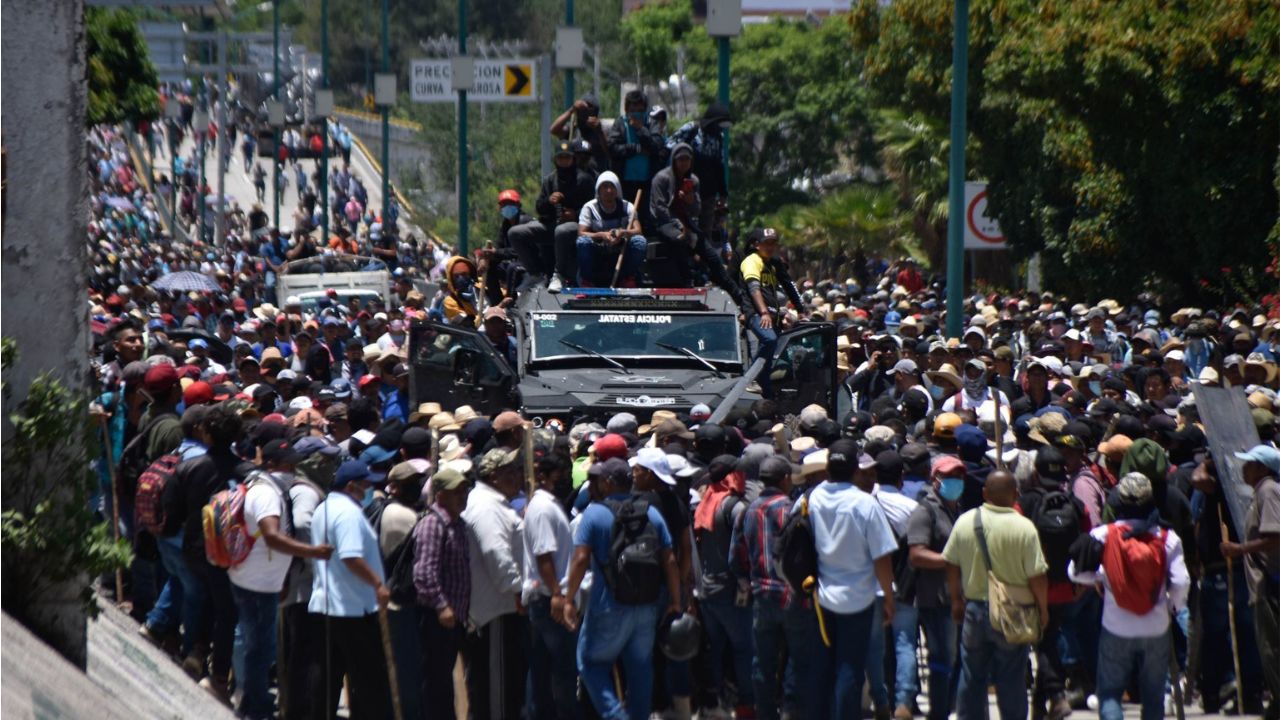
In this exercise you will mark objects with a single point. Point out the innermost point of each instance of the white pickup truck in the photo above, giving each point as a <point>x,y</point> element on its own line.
<point>350,276</point>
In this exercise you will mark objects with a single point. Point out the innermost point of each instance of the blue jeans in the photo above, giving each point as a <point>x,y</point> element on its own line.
<point>794,630</point>
<point>620,632</point>
<point>1216,665</point>
<point>590,271</point>
<point>256,634</point>
<point>940,639</point>
<point>985,654</point>
<point>1117,659</point>
<point>729,628</point>
<point>768,342</point>
<point>875,655</point>
<point>553,675</point>
<point>906,635</point>
<point>1078,639</point>
<point>182,584</point>
<point>840,669</point>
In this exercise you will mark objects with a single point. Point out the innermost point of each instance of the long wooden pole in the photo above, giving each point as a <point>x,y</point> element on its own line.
<point>392,680</point>
<point>1231,615</point>
<point>115,500</point>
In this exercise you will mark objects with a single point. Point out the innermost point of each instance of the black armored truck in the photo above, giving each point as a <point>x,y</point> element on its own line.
<point>594,352</point>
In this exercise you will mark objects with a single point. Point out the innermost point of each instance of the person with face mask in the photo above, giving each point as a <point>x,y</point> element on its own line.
<point>498,262</point>
<point>547,246</point>
<point>456,301</point>
<point>928,528</point>
<point>635,152</point>
<point>976,391</point>
<point>349,589</point>
<point>707,138</point>
<point>607,224</point>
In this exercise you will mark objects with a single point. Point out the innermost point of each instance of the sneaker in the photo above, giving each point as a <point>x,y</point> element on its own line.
<point>152,636</point>
<point>556,284</point>
<point>902,712</point>
<point>754,387</point>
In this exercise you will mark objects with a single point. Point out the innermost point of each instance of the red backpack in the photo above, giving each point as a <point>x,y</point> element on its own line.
<point>148,509</point>
<point>1136,567</point>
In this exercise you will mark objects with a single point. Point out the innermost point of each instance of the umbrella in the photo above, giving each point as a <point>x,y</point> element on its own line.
<point>186,281</point>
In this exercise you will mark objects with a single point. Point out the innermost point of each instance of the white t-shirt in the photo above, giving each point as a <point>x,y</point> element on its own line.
<point>546,530</point>
<point>265,569</point>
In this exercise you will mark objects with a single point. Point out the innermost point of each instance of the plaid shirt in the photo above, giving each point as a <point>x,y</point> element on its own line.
<point>751,551</point>
<point>442,562</point>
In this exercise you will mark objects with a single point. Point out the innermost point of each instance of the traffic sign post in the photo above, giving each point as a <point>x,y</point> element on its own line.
<point>981,231</point>
<point>508,80</point>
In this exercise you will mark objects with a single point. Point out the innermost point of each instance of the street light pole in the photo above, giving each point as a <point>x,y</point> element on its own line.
<point>955,173</point>
<point>462,137</point>
<point>386,113</point>
<point>569,95</point>
<point>275,131</point>
<point>722,44</point>
<point>324,124</point>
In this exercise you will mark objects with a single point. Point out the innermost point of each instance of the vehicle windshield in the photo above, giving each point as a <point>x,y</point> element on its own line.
<point>311,301</point>
<point>628,335</point>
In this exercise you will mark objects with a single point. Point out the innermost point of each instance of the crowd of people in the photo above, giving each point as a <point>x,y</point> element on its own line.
<point>1042,486</point>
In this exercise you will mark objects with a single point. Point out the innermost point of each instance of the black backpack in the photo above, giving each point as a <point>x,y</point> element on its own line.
<point>1057,521</point>
<point>634,572</point>
<point>795,551</point>
<point>399,568</point>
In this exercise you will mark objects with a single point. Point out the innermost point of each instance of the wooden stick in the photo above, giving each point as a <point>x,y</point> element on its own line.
<point>115,498</point>
<point>391,663</point>
<point>527,450</point>
<point>622,251</point>
<point>995,397</point>
<point>1231,614</point>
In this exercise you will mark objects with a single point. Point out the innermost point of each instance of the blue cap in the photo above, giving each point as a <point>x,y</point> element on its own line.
<point>376,454</point>
<point>351,471</point>
<point>341,388</point>
<point>331,320</point>
<point>198,343</point>
<point>155,324</point>
<point>892,318</point>
<point>1264,454</point>
<point>311,444</point>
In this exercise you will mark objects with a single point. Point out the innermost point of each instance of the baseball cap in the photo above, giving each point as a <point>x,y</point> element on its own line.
<point>773,469</point>
<point>280,451</point>
<point>1050,464</point>
<point>352,471</point>
<point>311,444</point>
<point>198,393</point>
<point>608,446</point>
<point>415,437</point>
<point>160,379</point>
<point>336,411</point>
<point>507,421</point>
<point>376,455</point>
<point>842,458</point>
<point>622,423</point>
<point>1264,454</point>
<point>905,366</point>
<point>700,412</point>
<point>945,425</point>
<point>655,461</point>
<point>447,479</point>
<point>496,459</point>
<point>946,466</point>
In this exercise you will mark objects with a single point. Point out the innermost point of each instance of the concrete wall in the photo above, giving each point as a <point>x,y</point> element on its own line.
<point>409,155</point>
<point>44,263</point>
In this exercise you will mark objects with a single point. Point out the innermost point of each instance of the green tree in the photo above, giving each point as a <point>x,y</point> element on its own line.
<point>797,115</point>
<point>122,81</point>
<point>1134,143</point>
<point>652,33</point>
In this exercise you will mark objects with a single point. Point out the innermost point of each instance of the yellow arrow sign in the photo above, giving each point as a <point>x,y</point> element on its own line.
<point>517,80</point>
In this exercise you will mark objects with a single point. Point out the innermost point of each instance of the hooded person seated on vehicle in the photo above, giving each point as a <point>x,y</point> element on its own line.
<point>456,301</point>
<point>608,225</point>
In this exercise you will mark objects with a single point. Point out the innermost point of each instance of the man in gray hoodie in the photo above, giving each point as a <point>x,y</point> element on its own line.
<point>675,203</point>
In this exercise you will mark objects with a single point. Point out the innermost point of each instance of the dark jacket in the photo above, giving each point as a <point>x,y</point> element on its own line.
<point>707,140</point>
<point>662,199</point>
<point>578,190</point>
<point>626,142</point>
<point>194,482</point>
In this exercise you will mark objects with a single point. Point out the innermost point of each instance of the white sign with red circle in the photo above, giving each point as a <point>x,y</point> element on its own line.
<point>981,231</point>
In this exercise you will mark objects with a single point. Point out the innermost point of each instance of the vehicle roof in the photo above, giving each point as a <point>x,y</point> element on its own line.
<point>639,300</point>
<point>333,264</point>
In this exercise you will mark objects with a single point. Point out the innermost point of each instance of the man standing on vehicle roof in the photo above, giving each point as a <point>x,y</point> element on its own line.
<point>764,275</point>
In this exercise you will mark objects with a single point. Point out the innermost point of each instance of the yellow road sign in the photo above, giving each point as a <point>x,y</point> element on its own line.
<point>518,77</point>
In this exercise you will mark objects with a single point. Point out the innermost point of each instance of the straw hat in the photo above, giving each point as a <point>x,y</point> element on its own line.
<point>947,373</point>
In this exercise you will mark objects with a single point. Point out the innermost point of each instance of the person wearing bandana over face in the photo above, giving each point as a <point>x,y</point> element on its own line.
<point>927,531</point>
<point>635,152</point>
<point>456,303</point>
<point>976,391</point>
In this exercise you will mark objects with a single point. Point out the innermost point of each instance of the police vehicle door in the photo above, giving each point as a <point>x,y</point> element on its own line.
<point>457,366</point>
<point>804,368</point>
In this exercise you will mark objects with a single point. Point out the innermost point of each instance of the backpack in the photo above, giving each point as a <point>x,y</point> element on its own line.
<point>373,513</point>
<point>227,541</point>
<point>795,551</point>
<point>634,570</point>
<point>148,508</point>
<point>1057,521</point>
<point>133,459</point>
<point>1135,566</point>
<point>399,565</point>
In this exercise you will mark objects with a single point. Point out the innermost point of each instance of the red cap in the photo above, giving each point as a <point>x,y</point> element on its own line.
<point>275,418</point>
<point>167,318</point>
<point>239,305</point>
<point>160,379</point>
<point>508,196</point>
<point>331,292</point>
<point>115,301</point>
<point>367,380</point>
<point>189,371</point>
<point>610,446</point>
<point>198,393</point>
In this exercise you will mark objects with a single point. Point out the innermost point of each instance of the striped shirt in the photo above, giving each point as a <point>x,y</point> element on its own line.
<point>442,562</point>
<point>751,549</point>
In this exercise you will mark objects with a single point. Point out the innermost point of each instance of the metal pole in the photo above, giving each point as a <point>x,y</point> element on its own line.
<point>173,169</point>
<point>219,220</point>
<point>462,136</point>
<point>324,124</point>
<point>544,87</point>
<point>204,138</point>
<point>275,131</point>
<point>569,94</point>
<point>386,114</point>
<point>723,88</point>
<point>955,174</point>
<point>595,72</point>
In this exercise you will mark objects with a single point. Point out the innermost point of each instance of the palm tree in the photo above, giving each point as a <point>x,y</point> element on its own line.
<point>913,151</point>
